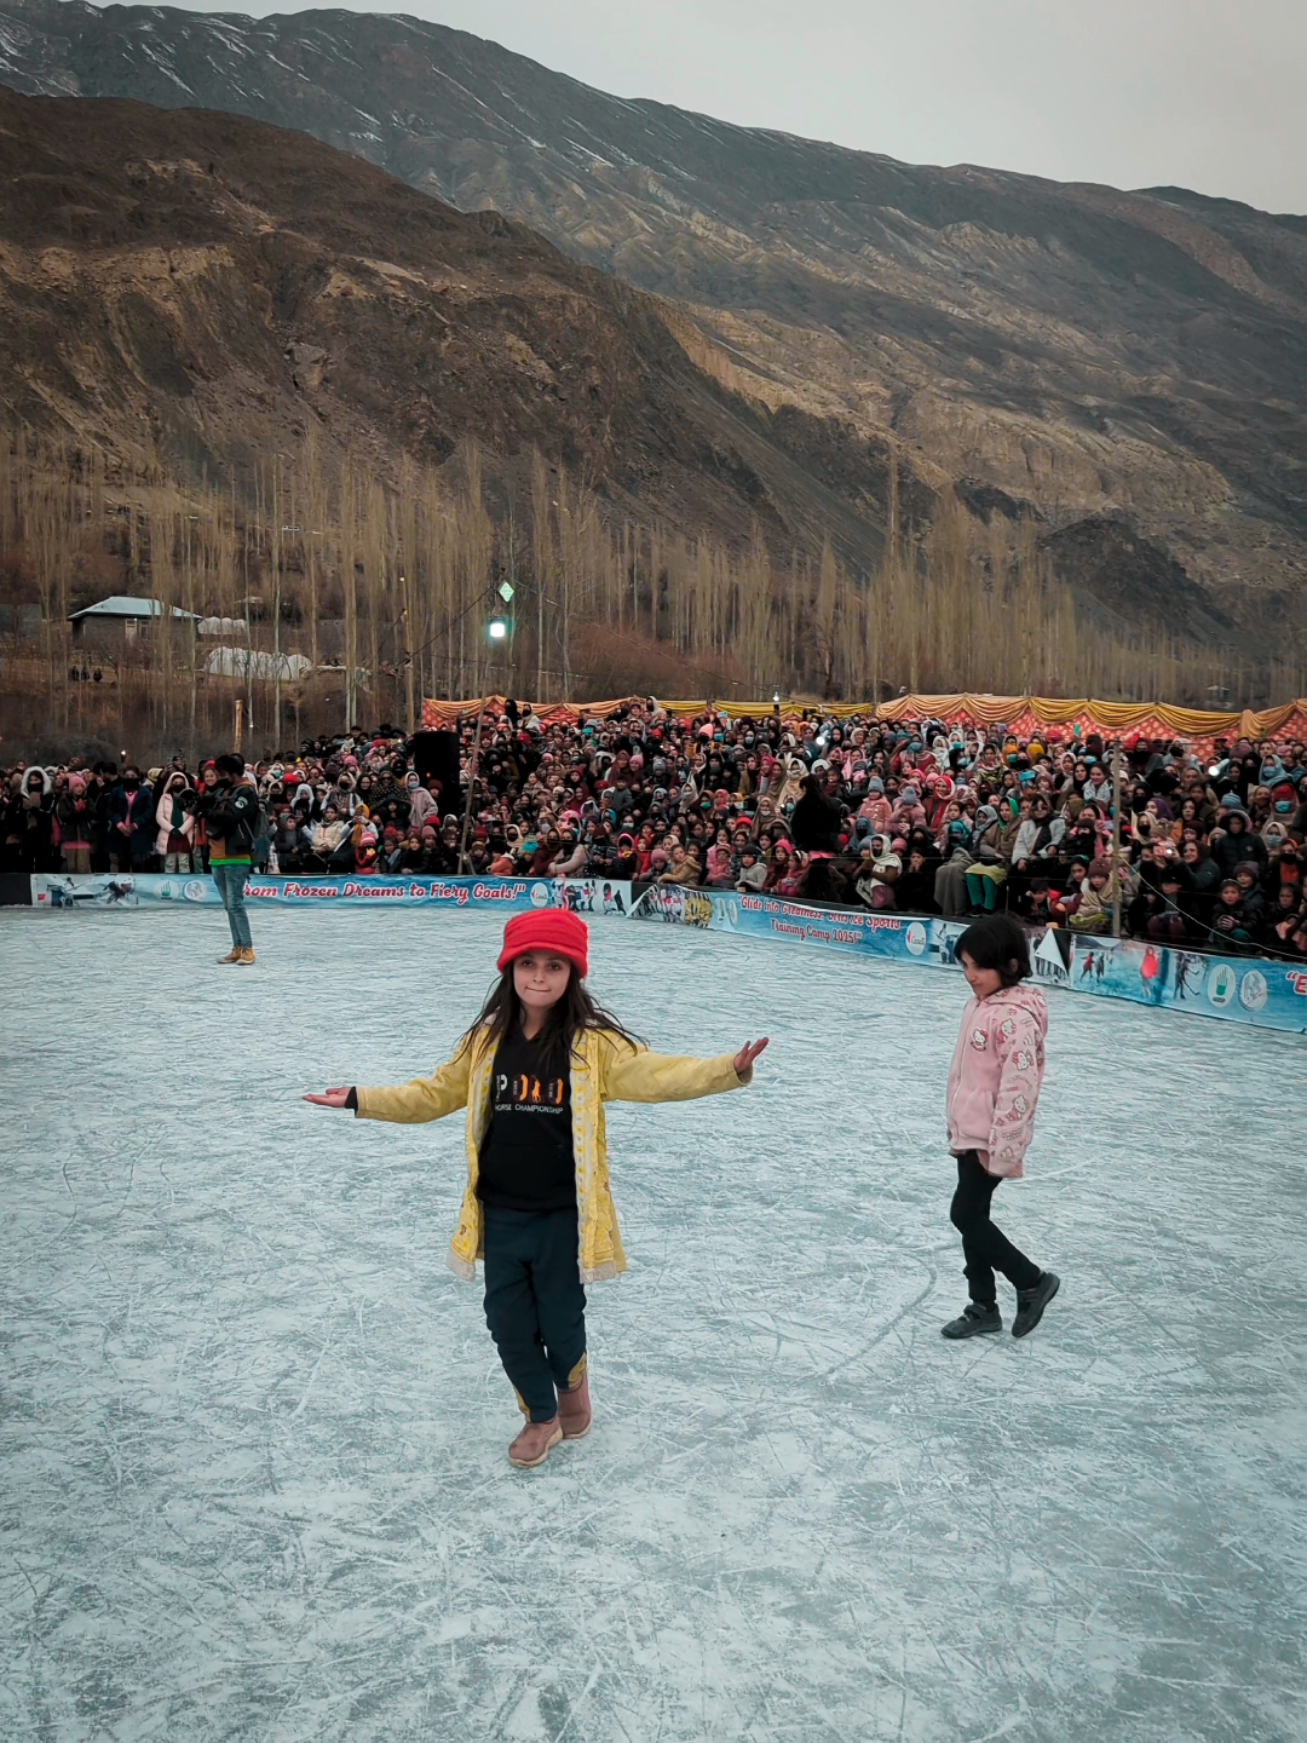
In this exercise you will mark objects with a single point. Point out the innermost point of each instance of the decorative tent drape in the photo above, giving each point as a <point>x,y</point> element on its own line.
<point>1025,715</point>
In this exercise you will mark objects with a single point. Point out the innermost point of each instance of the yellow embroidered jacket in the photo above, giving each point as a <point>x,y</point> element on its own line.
<point>605,1067</point>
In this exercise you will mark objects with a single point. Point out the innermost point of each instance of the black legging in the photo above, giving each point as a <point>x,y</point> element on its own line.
<point>985,1247</point>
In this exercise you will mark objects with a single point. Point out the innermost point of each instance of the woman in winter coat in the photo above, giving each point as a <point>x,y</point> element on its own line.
<point>1083,838</point>
<point>327,836</point>
<point>988,868</point>
<point>175,822</point>
<point>1204,881</point>
<point>29,825</point>
<point>421,805</point>
<point>74,822</point>
<point>879,873</point>
<point>791,790</point>
<point>1235,843</point>
<point>951,878</point>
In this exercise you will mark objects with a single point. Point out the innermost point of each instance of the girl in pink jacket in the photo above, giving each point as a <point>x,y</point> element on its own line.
<point>993,1090</point>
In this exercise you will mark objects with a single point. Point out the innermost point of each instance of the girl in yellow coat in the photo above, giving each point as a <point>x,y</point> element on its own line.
<point>534,1072</point>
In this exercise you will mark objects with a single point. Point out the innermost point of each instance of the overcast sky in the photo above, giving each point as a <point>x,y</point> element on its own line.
<point>1208,94</point>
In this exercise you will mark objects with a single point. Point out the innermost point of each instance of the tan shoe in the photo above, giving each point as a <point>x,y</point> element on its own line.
<point>233,955</point>
<point>246,957</point>
<point>533,1446</point>
<point>574,1410</point>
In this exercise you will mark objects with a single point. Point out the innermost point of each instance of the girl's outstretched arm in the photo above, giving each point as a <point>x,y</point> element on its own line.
<point>745,1057</point>
<point>330,1098</point>
<point>635,1074</point>
<point>410,1104</point>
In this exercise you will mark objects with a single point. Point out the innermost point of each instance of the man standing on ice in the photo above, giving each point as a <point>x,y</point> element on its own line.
<point>232,818</point>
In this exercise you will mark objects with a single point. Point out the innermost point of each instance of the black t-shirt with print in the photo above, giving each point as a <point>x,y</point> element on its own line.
<point>527,1162</point>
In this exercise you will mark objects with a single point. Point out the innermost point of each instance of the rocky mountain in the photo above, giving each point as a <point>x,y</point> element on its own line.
<point>1128,370</point>
<point>212,288</point>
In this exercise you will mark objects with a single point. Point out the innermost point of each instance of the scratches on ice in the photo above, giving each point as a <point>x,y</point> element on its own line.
<point>254,1475</point>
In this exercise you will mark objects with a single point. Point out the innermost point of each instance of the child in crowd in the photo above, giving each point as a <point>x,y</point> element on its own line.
<point>533,1072</point>
<point>753,873</point>
<point>1098,894</point>
<point>993,1089</point>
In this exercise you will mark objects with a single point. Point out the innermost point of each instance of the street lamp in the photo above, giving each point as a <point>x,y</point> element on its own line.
<point>498,630</point>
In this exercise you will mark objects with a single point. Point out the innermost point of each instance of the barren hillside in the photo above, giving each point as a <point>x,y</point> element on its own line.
<point>1131,368</point>
<point>214,286</point>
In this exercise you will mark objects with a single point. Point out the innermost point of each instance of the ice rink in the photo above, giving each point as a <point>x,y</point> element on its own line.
<point>254,1486</point>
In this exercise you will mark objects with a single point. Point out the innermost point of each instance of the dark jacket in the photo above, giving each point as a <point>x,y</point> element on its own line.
<point>138,807</point>
<point>1233,929</point>
<point>233,822</point>
<point>1233,846</point>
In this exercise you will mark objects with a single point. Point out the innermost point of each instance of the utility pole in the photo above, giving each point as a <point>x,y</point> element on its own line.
<point>1116,839</point>
<point>472,766</point>
<point>498,630</point>
<point>409,674</point>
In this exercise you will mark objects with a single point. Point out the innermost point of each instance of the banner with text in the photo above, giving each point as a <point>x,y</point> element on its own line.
<point>1256,990</point>
<point>510,895</point>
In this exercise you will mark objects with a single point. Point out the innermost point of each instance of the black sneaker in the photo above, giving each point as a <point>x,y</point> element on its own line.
<point>973,1321</point>
<point>1032,1302</point>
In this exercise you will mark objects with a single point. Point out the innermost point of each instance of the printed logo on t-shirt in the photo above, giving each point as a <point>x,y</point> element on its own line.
<point>524,1093</point>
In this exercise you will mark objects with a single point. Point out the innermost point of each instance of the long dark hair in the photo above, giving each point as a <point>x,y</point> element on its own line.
<point>565,1023</point>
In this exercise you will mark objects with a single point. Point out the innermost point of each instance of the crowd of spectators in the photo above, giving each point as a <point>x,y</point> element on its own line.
<point>1208,852</point>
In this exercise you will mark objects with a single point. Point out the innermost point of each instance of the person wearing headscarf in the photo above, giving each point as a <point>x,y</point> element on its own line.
<point>74,822</point>
<point>174,815</point>
<point>988,868</point>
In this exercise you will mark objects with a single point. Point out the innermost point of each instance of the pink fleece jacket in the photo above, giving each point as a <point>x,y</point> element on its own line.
<point>995,1078</point>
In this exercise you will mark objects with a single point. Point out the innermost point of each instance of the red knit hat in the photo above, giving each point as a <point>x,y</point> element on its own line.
<point>554,929</point>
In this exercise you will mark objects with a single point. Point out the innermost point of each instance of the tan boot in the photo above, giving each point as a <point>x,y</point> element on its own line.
<point>574,1410</point>
<point>233,955</point>
<point>246,957</point>
<point>532,1447</point>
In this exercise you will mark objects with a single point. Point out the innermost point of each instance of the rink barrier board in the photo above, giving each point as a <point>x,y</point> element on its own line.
<point>598,896</point>
<point>1251,990</point>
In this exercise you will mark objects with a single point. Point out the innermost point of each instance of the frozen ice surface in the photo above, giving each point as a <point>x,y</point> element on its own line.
<point>254,1484</point>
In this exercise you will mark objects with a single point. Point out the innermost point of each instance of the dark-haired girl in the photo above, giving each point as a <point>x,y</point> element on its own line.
<point>533,1072</point>
<point>993,1090</point>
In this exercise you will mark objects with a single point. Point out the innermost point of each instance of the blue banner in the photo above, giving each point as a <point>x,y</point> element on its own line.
<point>1256,990</point>
<point>308,890</point>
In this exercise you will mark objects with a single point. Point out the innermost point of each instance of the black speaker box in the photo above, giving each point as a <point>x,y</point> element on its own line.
<point>435,757</point>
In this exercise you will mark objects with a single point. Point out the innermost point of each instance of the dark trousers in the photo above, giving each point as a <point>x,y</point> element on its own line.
<point>985,1248</point>
<point>535,1303</point>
